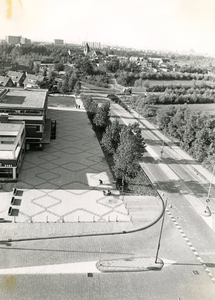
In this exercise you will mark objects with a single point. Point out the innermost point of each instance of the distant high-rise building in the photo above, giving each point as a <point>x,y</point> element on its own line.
<point>25,41</point>
<point>58,42</point>
<point>13,39</point>
<point>92,45</point>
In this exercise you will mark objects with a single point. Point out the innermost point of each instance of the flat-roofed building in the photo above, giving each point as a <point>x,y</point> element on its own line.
<point>30,107</point>
<point>12,148</point>
<point>58,42</point>
<point>25,41</point>
<point>10,39</point>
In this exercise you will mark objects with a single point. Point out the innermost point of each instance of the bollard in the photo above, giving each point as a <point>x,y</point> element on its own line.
<point>108,218</point>
<point>31,219</point>
<point>93,218</point>
<point>14,219</point>
<point>47,220</point>
<point>116,218</point>
<point>78,219</point>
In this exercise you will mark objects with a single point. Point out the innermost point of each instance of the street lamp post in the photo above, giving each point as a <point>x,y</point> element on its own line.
<point>162,149</point>
<point>161,230</point>
<point>207,212</point>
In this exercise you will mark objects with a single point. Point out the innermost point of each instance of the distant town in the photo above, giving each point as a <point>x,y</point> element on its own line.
<point>30,71</point>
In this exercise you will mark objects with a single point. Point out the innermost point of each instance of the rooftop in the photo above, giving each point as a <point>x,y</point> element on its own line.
<point>21,99</point>
<point>9,127</point>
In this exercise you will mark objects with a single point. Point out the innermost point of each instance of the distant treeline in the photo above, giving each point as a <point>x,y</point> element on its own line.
<point>194,130</point>
<point>185,94</point>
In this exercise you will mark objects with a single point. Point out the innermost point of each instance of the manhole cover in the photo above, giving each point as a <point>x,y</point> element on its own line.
<point>195,272</point>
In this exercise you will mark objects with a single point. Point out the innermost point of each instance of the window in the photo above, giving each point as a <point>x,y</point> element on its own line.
<point>39,128</point>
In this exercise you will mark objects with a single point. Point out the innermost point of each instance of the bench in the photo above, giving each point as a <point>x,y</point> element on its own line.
<point>10,210</point>
<point>13,200</point>
<point>14,191</point>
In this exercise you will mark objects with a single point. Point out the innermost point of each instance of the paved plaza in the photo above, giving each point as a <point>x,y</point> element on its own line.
<point>61,183</point>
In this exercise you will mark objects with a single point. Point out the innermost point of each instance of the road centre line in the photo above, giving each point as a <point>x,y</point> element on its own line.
<point>190,245</point>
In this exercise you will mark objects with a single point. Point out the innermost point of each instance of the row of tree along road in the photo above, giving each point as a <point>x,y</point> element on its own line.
<point>123,144</point>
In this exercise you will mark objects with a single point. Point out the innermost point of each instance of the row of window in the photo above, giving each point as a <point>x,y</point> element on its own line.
<point>21,111</point>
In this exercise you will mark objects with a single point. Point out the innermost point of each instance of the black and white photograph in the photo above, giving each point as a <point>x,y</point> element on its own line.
<point>107,149</point>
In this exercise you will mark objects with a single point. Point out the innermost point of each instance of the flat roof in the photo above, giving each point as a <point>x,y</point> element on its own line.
<point>13,128</point>
<point>20,99</point>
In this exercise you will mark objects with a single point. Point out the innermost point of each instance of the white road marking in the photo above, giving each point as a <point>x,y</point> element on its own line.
<point>70,268</point>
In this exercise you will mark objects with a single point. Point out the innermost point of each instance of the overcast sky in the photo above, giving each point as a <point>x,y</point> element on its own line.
<point>151,24</point>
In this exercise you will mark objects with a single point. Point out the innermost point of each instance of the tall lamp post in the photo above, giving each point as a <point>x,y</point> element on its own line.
<point>161,230</point>
<point>162,149</point>
<point>207,212</point>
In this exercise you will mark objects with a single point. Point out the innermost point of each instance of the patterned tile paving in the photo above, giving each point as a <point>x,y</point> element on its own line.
<point>61,183</point>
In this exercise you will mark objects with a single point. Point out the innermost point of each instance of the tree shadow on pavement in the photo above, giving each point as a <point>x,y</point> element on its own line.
<point>210,265</point>
<point>175,186</point>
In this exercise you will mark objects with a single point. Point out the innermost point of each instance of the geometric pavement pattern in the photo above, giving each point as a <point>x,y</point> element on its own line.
<point>68,206</point>
<point>61,182</point>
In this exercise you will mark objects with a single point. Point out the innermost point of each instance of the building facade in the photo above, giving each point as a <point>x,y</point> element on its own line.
<point>12,148</point>
<point>31,108</point>
<point>31,81</point>
<point>58,42</point>
<point>10,39</point>
<point>25,41</point>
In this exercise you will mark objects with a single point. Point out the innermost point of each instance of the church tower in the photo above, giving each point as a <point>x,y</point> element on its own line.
<point>86,49</point>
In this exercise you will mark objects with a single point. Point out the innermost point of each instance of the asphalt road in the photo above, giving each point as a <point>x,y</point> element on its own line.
<point>181,184</point>
<point>183,276</point>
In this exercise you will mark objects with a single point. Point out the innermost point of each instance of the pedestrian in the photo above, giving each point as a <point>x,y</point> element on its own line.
<point>100,181</point>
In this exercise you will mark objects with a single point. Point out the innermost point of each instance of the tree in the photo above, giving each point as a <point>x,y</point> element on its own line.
<point>65,85</point>
<point>36,68</point>
<point>113,65</point>
<point>178,122</point>
<point>90,106</point>
<point>45,71</point>
<point>30,64</point>
<point>147,84</point>
<point>59,67</point>
<point>84,65</point>
<point>102,117</point>
<point>77,88</point>
<point>138,83</point>
<point>128,153</point>
<point>111,137</point>
<point>59,86</point>
<point>72,81</point>
<point>164,116</point>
